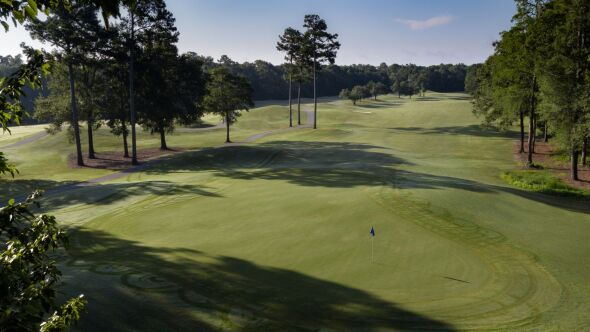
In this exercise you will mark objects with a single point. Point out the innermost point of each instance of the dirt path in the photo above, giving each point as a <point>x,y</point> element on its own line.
<point>154,161</point>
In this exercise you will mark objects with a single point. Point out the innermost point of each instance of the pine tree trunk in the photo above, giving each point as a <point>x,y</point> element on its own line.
<point>125,147</point>
<point>90,137</point>
<point>315,98</point>
<point>574,163</point>
<point>530,141</point>
<point>290,108</point>
<point>299,104</point>
<point>163,145</point>
<point>521,132</point>
<point>534,134</point>
<point>132,91</point>
<point>75,124</point>
<point>227,140</point>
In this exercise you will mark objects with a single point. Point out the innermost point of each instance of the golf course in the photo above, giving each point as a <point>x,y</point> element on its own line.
<point>272,232</point>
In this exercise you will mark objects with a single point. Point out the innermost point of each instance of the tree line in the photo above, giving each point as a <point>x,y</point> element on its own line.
<point>271,81</point>
<point>540,74</point>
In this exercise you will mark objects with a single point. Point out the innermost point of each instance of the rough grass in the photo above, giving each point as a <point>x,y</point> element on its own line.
<point>542,182</point>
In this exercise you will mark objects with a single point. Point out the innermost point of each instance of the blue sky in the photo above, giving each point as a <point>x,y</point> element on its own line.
<point>423,32</point>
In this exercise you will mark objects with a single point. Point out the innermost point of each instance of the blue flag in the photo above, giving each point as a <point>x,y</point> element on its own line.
<point>372,231</point>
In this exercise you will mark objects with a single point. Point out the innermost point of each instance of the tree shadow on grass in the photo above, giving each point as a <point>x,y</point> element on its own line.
<point>130,286</point>
<point>108,193</point>
<point>334,165</point>
<point>470,130</point>
<point>58,194</point>
<point>19,189</point>
<point>321,164</point>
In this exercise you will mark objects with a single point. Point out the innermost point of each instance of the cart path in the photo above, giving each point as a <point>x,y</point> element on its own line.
<point>30,139</point>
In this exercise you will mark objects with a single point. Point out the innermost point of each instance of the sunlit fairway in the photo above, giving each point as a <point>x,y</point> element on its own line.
<point>274,234</point>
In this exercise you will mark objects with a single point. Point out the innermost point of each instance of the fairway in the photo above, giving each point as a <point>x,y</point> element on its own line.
<point>273,234</point>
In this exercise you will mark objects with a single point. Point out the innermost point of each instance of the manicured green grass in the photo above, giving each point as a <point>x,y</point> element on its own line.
<point>274,235</point>
<point>543,182</point>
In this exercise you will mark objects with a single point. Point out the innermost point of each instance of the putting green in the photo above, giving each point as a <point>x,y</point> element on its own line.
<point>274,235</point>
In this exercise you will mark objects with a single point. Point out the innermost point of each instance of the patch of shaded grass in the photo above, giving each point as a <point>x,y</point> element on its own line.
<point>542,182</point>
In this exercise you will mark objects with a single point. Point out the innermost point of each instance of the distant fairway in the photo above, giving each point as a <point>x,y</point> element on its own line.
<point>274,235</point>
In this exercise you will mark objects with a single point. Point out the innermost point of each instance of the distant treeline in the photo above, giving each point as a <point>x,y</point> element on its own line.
<point>268,80</point>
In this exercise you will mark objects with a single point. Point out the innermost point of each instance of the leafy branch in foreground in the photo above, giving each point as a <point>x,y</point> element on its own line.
<point>11,88</point>
<point>28,274</point>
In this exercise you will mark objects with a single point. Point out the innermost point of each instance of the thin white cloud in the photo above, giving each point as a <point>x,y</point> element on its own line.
<point>425,24</point>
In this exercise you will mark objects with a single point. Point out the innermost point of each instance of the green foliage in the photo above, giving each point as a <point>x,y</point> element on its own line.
<point>471,79</point>
<point>359,92</point>
<point>543,182</point>
<point>28,275</point>
<point>565,78</point>
<point>291,42</point>
<point>319,46</point>
<point>55,107</point>
<point>345,94</point>
<point>6,166</point>
<point>11,88</point>
<point>227,95</point>
<point>353,95</point>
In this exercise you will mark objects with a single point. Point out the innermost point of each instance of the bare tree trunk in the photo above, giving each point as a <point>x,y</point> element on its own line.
<point>163,145</point>
<point>90,137</point>
<point>125,147</point>
<point>315,98</point>
<point>132,91</point>
<point>521,132</point>
<point>227,140</point>
<point>299,104</point>
<point>75,124</point>
<point>574,163</point>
